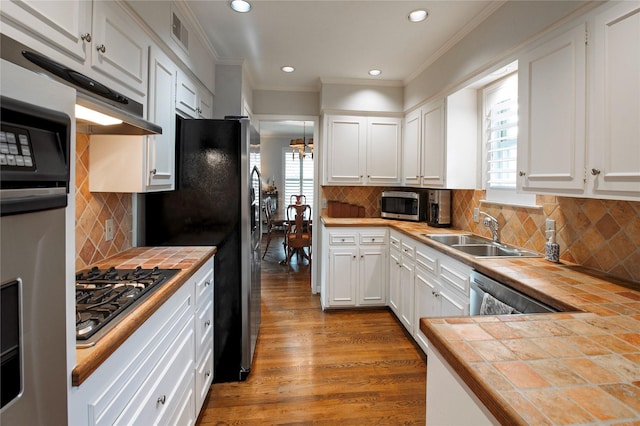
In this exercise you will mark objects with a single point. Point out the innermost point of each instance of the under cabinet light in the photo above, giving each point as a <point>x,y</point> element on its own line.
<point>87,114</point>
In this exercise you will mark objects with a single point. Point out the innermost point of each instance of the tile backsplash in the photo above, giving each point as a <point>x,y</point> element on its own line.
<point>93,209</point>
<point>600,234</point>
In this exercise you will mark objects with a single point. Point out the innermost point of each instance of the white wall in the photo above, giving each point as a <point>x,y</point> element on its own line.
<point>382,98</point>
<point>495,40</point>
<point>271,161</point>
<point>276,102</point>
<point>228,97</point>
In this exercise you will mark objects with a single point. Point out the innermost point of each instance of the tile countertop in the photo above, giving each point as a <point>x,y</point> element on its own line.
<point>188,259</point>
<point>576,367</point>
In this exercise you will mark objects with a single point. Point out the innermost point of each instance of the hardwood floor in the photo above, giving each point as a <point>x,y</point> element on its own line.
<point>315,367</point>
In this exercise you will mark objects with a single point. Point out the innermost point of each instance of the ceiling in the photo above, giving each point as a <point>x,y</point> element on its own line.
<point>335,40</point>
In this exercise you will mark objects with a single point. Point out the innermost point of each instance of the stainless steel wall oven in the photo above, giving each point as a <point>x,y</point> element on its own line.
<point>34,184</point>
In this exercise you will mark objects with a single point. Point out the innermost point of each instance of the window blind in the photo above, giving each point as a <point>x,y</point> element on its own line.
<point>298,175</point>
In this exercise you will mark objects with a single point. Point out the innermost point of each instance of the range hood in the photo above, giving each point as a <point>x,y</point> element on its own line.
<point>91,94</point>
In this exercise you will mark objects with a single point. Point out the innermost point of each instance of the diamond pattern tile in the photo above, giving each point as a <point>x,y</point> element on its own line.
<point>93,209</point>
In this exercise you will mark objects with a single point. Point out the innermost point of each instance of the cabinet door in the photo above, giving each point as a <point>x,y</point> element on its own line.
<point>426,305</point>
<point>343,276</point>
<point>452,305</point>
<point>63,24</point>
<point>614,164</point>
<point>373,276</point>
<point>187,96</point>
<point>161,148</point>
<point>205,104</point>
<point>395,264</point>
<point>433,144</point>
<point>383,150</point>
<point>411,142</point>
<point>551,127</point>
<point>407,280</point>
<point>346,144</point>
<point>120,47</point>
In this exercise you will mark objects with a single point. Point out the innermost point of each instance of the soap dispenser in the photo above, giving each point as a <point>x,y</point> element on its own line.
<point>551,248</point>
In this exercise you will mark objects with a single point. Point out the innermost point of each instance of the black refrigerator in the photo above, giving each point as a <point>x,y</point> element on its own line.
<point>217,202</point>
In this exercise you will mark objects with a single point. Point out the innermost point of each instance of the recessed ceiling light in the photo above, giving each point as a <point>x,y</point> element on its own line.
<point>241,6</point>
<point>375,73</point>
<point>418,15</point>
<point>288,68</point>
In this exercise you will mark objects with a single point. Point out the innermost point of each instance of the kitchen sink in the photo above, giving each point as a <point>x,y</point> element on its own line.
<point>458,239</point>
<point>479,246</point>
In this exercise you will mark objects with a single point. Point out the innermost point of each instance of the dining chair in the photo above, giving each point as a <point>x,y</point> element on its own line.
<point>271,225</point>
<point>298,199</point>
<point>298,231</point>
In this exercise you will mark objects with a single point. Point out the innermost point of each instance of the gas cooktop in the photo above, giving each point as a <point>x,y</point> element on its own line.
<point>104,296</point>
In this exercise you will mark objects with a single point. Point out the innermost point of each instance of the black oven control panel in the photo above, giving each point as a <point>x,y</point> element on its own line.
<point>16,149</point>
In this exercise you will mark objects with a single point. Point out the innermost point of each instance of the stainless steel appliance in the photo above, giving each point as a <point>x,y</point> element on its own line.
<point>218,202</point>
<point>104,296</point>
<point>404,205</point>
<point>490,297</point>
<point>439,208</point>
<point>34,183</point>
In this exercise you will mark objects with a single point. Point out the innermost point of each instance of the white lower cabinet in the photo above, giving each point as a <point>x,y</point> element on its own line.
<point>153,377</point>
<point>402,278</point>
<point>203,355</point>
<point>357,267</point>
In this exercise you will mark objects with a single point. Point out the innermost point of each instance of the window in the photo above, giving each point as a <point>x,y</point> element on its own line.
<point>298,176</point>
<point>500,136</point>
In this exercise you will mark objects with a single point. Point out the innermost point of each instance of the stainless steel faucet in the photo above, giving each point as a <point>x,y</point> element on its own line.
<point>492,223</point>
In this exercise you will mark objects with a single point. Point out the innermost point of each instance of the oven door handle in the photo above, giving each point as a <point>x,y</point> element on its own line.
<point>15,201</point>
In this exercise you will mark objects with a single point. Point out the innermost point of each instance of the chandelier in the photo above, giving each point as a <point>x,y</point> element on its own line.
<point>300,145</point>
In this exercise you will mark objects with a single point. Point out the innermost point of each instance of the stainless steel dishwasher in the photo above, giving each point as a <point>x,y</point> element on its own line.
<point>490,297</point>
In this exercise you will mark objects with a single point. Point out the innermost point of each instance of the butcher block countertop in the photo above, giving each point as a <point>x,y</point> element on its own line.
<point>188,259</point>
<point>581,366</point>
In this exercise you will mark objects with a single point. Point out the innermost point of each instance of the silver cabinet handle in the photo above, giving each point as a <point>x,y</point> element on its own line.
<point>86,37</point>
<point>101,49</point>
<point>161,400</point>
<point>521,173</point>
<point>207,323</point>
<point>595,172</point>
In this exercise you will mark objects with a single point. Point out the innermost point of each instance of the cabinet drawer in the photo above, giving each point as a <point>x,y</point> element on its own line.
<point>204,324</point>
<point>454,277</point>
<point>342,239</point>
<point>373,238</point>
<point>204,282</point>
<point>160,394</point>
<point>408,250</point>
<point>204,375</point>
<point>427,259</point>
<point>395,242</point>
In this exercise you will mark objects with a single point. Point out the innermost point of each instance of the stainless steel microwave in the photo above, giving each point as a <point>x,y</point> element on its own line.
<point>404,205</point>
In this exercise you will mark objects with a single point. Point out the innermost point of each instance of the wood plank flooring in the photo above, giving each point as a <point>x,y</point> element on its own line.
<point>324,368</point>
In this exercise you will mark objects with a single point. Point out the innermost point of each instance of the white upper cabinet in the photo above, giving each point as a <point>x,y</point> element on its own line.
<point>162,98</point>
<point>613,168</point>
<point>363,150</point>
<point>384,138</point>
<point>433,144</point>
<point>346,149</point>
<point>440,143</point>
<point>64,24</point>
<point>411,149</point>
<point>552,115</point>
<point>192,99</point>
<point>120,47</point>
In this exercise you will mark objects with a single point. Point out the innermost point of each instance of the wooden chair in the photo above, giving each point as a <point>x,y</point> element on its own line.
<point>298,231</point>
<point>298,199</point>
<point>271,226</point>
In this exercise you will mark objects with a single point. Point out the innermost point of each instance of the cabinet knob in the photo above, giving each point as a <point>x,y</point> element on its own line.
<point>521,173</point>
<point>86,37</point>
<point>161,400</point>
<point>595,172</point>
<point>354,256</point>
<point>343,240</point>
<point>207,373</point>
<point>207,283</point>
<point>153,172</point>
<point>102,49</point>
<point>207,323</point>
<point>362,256</point>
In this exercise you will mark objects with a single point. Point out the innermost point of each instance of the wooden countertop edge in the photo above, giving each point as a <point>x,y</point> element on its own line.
<point>494,403</point>
<point>108,344</point>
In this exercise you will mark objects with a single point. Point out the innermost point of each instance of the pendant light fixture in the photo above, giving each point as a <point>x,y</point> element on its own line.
<point>300,145</point>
